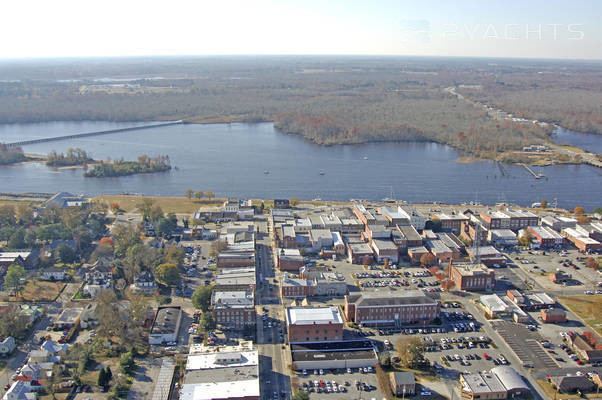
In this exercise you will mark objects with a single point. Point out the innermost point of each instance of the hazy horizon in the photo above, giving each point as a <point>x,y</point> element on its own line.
<point>536,29</point>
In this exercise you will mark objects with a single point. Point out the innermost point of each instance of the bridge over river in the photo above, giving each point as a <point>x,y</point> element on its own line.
<point>97,133</point>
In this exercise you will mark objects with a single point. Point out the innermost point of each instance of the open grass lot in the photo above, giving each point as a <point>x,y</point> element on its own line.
<point>41,291</point>
<point>181,205</point>
<point>588,308</point>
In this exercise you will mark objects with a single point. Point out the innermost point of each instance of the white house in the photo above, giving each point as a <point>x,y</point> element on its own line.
<point>145,282</point>
<point>20,390</point>
<point>54,274</point>
<point>7,346</point>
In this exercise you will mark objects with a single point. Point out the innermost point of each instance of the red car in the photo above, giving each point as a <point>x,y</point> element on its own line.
<point>486,356</point>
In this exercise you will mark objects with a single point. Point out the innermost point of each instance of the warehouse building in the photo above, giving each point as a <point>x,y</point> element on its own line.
<point>165,325</point>
<point>331,355</point>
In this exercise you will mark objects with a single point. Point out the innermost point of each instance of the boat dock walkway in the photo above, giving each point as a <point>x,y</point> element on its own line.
<point>535,175</point>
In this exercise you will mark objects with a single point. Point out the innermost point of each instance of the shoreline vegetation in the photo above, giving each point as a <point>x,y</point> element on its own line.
<point>74,157</point>
<point>144,165</point>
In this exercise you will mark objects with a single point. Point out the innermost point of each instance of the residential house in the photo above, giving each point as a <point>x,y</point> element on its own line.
<point>54,274</point>
<point>7,346</point>
<point>572,383</point>
<point>145,282</point>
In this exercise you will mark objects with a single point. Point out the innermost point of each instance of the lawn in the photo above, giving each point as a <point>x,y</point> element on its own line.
<point>180,205</point>
<point>41,291</point>
<point>588,308</point>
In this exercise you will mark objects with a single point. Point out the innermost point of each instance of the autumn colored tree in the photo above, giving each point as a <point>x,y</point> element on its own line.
<point>579,210</point>
<point>209,194</point>
<point>583,219</point>
<point>544,204</point>
<point>198,194</point>
<point>592,263</point>
<point>189,193</point>
<point>114,207</point>
<point>525,240</point>
<point>106,241</point>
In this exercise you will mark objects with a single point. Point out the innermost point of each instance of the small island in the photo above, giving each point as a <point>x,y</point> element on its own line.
<point>144,165</point>
<point>11,155</point>
<point>74,156</point>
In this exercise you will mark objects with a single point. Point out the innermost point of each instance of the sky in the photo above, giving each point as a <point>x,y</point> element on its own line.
<point>484,28</point>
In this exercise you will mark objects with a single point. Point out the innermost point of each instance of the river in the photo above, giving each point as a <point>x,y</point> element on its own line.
<point>231,160</point>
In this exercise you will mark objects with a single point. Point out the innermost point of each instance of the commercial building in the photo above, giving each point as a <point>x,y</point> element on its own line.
<point>593,230</point>
<point>331,355</point>
<point>290,259</point>
<point>403,383</point>
<point>391,308</point>
<point>69,318</point>
<point>581,240</point>
<point>501,307</point>
<point>166,325</point>
<point>586,347</point>
<point>409,236</point>
<point>502,237</point>
<point>314,324</point>
<point>233,309</point>
<point>312,283</point>
<point>472,277</point>
<point>415,253</point>
<point>487,255</point>
<point>558,223</point>
<point>553,315</point>
<point>222,373</point>
<point>417,219</point>
<point>286,236</point>
<point>236,259</point>
<point>546,237</point>
<point>509,219</point>
<point>450,222</point>
<point>385,251</point>
<point>236,279</point>
<point>440,250</point>
<point>394,217</point>
<point>572,383</point>
<point>502,382</point>
<point>531,301</point>
<point>360,253</point>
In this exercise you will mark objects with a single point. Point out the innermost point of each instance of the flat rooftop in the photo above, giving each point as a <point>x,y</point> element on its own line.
<point>313,315</point>
<point>391,298</point>
<point>69,315</point>
<point>236,389</point>
<point>232,298</point>
<point>222,360</point>
<point>335,355</point>
<point>166,320</point>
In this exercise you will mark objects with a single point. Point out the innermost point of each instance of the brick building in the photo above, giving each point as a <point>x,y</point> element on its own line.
<point>385,250</point>
<point>553,315</point>
<point>360,253</point>
<point>450,222</point>
<point>546,237</point>
<point>509,219</point>
<point>314,324</point>
<point>391,308</point>
<point>472,277</point>
<point>234,309</point>
<point>236,259</point>
<point>290,260</point>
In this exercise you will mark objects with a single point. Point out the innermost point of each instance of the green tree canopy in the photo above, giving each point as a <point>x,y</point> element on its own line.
<point>65,253</point>
<point>207,322</point>
<point>167,274</point>
<point>13,278</point>
<point>201,298</point>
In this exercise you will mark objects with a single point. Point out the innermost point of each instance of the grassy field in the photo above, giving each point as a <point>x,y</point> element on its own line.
<point>180,205</point>
<point>41,291</point>
<point>588,308</point>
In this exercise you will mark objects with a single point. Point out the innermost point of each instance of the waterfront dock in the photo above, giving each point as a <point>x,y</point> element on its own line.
<point>535,175</point>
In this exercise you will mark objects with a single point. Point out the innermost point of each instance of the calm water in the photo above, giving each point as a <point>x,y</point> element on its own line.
<point>231,159</point>
<point>586,141</point>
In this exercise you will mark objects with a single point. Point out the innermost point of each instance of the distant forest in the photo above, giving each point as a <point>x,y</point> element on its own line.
<point>326,99</point>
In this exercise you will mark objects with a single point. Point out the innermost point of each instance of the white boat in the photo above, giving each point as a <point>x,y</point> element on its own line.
<point>266,172</point>
<point>365,157</point>
<point>322,173</point>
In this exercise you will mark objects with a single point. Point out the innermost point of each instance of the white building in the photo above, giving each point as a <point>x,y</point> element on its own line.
<point>7,346</point>
<point>165,325</point>
<point>417,219</point>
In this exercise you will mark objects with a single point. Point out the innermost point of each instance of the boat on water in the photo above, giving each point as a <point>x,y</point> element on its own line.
<point>266,172</point>
<point>365,157</point>
<point>322,173</point>
<point>317,199</point>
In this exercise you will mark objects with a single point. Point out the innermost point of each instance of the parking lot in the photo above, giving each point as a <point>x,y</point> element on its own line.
<point>349,384</point>
<point>525,344</point>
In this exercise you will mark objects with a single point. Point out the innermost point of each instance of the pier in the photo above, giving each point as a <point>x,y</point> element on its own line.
<point>535,175</point>
<point>97,133</point>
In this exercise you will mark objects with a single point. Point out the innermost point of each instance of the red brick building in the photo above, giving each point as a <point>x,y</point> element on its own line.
<point>553,315</point>
<point>236,259</point>
<point>509,219</point>
<point>451,222</point>
<point>234,309</point>
<point>391,308</point>
<point>314,324</point>
<point>472,277</point>
<point>290,260</point>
